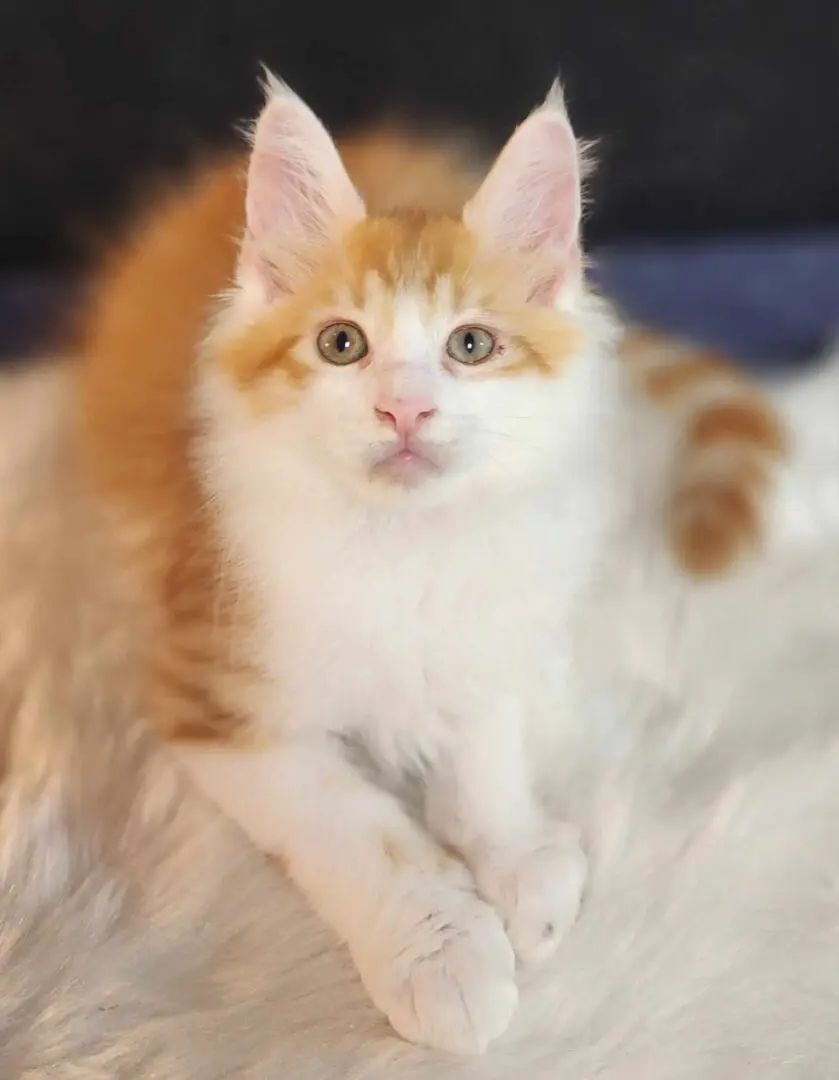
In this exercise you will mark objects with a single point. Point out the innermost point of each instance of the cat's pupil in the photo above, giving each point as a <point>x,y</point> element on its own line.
<point>342,341</point>
<point>469,342</point>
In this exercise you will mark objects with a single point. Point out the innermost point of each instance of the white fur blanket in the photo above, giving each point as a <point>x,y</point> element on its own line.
<point>141,937</point>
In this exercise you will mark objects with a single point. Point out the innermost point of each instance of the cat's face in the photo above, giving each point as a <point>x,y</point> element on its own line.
<point>405,356</point>
<point>409,361</point>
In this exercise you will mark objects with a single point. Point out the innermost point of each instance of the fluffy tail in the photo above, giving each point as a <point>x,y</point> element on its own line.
<point>733,441</point>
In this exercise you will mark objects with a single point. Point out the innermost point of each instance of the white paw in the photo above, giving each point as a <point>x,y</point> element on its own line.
<point>536,890</point>
<point>448,978</point>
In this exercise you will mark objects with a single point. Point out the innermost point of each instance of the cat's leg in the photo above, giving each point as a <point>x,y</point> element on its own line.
<point>531,869</point>
<point>432,955</point>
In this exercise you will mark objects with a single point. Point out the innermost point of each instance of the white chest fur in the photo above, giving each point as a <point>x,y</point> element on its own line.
<point>406,626</point>
<point>403,620</point>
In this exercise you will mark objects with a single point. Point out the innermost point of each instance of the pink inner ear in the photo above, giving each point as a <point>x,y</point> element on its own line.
<point>530,202</point>
<point>299,196</point>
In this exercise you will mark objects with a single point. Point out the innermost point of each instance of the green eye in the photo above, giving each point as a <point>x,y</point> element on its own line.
<point>470,345</point>
<point>342,343</point>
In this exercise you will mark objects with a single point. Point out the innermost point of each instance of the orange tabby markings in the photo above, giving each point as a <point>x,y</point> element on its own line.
<point>410,247</point>
<point>142,332</point>
<point>732,441</point>
<point>747,420</point>
<point>378,257</point>
<point>543,349</point>
<point>712,522</point>
<point>258,548</point>
<point>149,317</point>
<point>665,383</point>
<point>260,350</point>
<point>718,507</point>
<point>395,170</point>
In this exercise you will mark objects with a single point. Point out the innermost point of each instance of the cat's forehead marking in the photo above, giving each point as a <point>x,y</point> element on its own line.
<point>415,275</point>
<point>409,277</point>
<point>408,251</point>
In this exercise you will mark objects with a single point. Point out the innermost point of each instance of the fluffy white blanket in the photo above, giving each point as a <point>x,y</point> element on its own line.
<point>141,937</point>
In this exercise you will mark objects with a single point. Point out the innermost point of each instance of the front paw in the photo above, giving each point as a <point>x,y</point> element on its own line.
<point>446,978</point>
<point>536,889</point>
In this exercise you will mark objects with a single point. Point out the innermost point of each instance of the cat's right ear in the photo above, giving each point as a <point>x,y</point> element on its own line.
<point>299,196</point>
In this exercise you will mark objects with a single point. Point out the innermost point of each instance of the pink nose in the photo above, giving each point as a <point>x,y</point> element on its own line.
<point>404,415</point>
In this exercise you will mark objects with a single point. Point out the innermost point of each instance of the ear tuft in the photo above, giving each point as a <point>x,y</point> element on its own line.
<point>299,197</point>
<point>272,85</point>
<point>530,203</point>
<point>555,100</point>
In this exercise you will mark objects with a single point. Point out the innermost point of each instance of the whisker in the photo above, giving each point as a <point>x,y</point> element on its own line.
<point>505,435</point>
<point>505,416</point>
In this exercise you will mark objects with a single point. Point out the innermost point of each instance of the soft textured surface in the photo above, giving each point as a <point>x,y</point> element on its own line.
<point>142,938</point>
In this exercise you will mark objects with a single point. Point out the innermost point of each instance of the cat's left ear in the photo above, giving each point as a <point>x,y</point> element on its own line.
<point>299,197</point>
<point>530,203</point>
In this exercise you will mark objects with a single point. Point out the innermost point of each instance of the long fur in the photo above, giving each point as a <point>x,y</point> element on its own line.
<point>141,938</point>
<point>483,605</point>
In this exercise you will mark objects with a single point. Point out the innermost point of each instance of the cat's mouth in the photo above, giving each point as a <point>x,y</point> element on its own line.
<point>408,464</point>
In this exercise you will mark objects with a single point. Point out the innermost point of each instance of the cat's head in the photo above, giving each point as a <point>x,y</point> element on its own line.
<point>408,355</point>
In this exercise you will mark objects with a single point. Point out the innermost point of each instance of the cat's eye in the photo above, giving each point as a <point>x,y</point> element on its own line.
<point>470,345</point>
<point>342,343</point>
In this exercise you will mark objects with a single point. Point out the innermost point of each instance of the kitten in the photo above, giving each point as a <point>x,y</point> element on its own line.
<point>364,494</point>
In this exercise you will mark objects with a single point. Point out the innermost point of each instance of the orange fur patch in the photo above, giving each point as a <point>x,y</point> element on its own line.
<point>746,420</point>
<point>711,523</point>
<point>718,514</point>
<point>409,249</point>
<point>717,503</point>
<point>139,341</point>
<point>640,343</point>
<point>547,342</point>
<point>668,381</point>
<point>263,348</point>
<point>393,169</point>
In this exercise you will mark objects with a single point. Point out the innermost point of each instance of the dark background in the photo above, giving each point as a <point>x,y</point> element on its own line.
<point>713,115</point>
<point>715,118</point>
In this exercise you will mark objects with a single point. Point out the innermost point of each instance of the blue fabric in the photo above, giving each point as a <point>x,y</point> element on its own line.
<point>30,310</point>
<point>772,301</point>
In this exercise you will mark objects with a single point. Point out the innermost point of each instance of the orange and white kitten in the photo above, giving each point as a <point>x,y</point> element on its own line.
<point>368,507</point>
